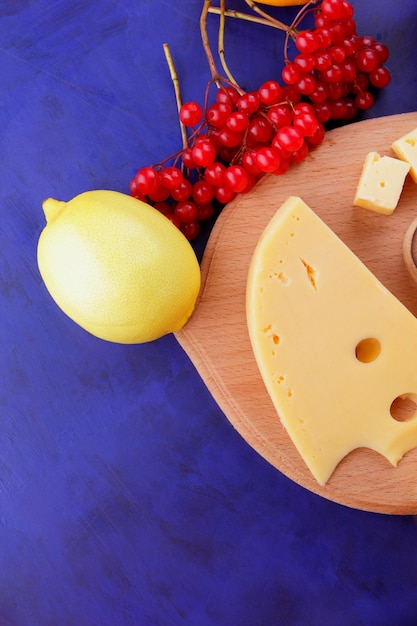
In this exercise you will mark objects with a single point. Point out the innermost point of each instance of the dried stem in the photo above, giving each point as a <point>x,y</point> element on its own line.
<point>174,77</point>
<point>246,17</point>
<point>206,43</point>
<point>221,46</point>
<point>266,16</point>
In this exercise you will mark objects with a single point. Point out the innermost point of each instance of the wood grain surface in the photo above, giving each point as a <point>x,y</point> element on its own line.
<point>216,337</point>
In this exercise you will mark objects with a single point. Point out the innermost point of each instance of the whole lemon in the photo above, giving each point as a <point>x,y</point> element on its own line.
<point>117,267</point>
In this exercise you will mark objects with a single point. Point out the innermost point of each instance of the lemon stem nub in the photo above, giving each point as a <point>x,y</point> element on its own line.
<point>52,208</point>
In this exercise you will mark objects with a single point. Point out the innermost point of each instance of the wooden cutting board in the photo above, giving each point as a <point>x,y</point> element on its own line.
<point>216,337</point>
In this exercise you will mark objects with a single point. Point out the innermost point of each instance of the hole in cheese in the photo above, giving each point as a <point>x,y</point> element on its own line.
<point>404,407</point>
<point>368,350</point>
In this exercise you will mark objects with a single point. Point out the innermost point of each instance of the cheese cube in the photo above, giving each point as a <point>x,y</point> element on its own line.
<point>335,348</point>
<point>406,149</point>
<point>381,183</point>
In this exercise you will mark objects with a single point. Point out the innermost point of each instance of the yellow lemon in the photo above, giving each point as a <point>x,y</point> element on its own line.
<point>117,267</point>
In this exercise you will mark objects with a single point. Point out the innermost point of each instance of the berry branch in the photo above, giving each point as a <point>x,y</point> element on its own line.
<point>176,83</point>
<point>329,74</point>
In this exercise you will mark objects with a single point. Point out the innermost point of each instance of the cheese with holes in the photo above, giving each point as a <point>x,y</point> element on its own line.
<point>337,351</point>
<point>381,183</point>
<point>406,149</point>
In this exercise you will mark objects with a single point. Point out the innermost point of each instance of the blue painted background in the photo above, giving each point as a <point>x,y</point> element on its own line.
<point>126,497</point>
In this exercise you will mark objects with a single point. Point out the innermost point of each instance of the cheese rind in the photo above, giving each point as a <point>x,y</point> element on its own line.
<point>335,348</point>
<point>405,148</point>
<point>381,183</point>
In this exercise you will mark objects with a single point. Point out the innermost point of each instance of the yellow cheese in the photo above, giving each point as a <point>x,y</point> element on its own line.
<point>337,351</point>
<point>381,183</point>
<point>406,149</point>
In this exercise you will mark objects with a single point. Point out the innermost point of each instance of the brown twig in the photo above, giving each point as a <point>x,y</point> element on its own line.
<point>266,16</point>
<point>206,43</point>
<point>174,77</point>
<point>245,16</point>
<point>221,46</point>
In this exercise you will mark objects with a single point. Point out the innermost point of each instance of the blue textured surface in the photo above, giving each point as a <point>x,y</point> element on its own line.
<point>126,497</point>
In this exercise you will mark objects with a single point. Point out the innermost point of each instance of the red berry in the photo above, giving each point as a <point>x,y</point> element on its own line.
<point>307,41</point>
<point>171,217</point>
<point>367,60</point>
<point>204,152</point>
<point>134,191</point>
<point>204,211</point>
<point>301,108</point>
<point>361,83</point>
<point>307,123</point>
<point>291,74</point>
<point>237,121</point>
<point>229,138</point>
<point>351,109</point>
<point>259,130</point>
<point>267,159</point>
<point>348,71</point>
<point>251,183</point>
<point>214,174</point>
<point>280,115</point>
<point>185,211</point>
<point>339,109</point>
<point>382,51</point>
<point>364,100</point>
<point>317,137</point>
<point>333,74</point>
<point>282,168</point>
<point>228,95</point>
<point>249,162</point>
<point>306,62</point>
<point>347,10</point>
<point>249,102</point>
<point>203,192</point>
<point>282,152</point>
<point>226,154</point>
<point>299,155</point>
<point>236,178</point>
<point>270,92</point>
<point>332,9</point>
<point>323,111</point>
<point>224,194</point>
<point>187,158</point>
<point>325,37</point>
<point>191,113</point>
<point>183,192</point>
<point>190,230</point>
<point>163,207</point>
<point>338,53</point>
<point>160,194</point>
<point>323,60</point>
<point>290,138</point>
<point>147,180</point>
<point>218,113</point>
<point>380,77</point>
<point>320,94</point>
<point>336,90</point>
<point>307,84</point>
<point>171,177</point>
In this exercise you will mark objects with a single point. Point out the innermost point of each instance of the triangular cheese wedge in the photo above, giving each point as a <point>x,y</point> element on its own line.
<point>335,348</point>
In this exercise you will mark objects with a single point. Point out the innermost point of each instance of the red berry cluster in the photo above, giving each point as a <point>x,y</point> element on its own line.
<point>243,135</point>
<point>334,68</point>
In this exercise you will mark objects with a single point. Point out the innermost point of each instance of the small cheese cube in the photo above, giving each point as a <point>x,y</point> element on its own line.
<point>406,149</point>
<point>381,183</point>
